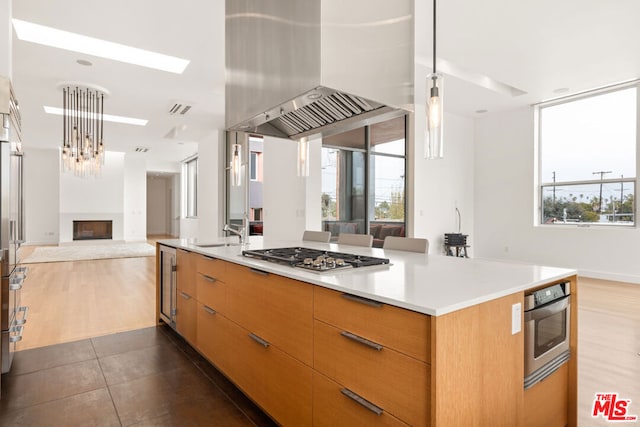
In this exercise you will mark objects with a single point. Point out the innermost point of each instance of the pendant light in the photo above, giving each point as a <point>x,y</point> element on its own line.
<point>303,156</point>
<point>82,130</point>
<point>235,165</point>
<point>434,107</point>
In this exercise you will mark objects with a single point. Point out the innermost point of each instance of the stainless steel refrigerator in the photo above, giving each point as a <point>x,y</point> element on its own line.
<point>13,316</point>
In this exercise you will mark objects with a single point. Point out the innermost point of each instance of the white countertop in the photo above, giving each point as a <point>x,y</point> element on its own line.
<point>430,284</point>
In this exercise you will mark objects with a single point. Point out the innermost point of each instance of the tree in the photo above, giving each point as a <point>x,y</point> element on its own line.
<point>396,210</point>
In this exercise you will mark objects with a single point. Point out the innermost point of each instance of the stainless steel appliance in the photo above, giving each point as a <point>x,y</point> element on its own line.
<point>300,67</point>
<point>546,332</point>
<point>168,285</point>
<point>12,316</point>
<point>315,259</point>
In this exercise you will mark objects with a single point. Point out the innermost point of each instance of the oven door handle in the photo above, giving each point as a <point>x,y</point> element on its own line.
<point>547,310</point>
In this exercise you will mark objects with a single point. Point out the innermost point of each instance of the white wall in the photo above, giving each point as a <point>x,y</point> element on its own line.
<point>210,186</point>
<point>284,192</point>
<point>99,198</point>
<point>135,206</point>
<point>505,209</point>
<point>41,196</point>
<point>313,186</point>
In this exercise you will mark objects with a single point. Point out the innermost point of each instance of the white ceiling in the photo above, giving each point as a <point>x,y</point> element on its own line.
<point>534,47</point>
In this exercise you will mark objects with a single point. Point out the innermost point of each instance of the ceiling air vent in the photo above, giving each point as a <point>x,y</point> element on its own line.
<point>141,149</point>
<point>179,108</point>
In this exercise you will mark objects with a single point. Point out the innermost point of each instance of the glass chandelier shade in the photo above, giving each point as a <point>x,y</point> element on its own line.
<point>303,157</point>
<point>434,142</point>
<point>83,130</point>
<point>434,147</point>
<point>235,165</point>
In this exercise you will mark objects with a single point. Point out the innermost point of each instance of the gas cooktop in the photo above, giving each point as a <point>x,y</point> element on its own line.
<point>314,259</point>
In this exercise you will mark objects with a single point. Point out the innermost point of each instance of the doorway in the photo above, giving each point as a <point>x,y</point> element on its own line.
<point>163,204</point>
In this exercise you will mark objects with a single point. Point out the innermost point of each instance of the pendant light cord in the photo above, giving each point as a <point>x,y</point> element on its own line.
<point>434,36</point>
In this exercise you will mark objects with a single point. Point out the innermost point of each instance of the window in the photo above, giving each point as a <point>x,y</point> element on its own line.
<point>363,181</point>
<point>253,166</point>
<point>191,187</point>
<point>588,159</point>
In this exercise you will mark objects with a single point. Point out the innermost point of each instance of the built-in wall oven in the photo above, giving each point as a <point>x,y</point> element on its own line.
<point>547,315</point>
<point>168,285</point>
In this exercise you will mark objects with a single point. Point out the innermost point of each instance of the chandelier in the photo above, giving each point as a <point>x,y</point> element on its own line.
<point>82,130</point>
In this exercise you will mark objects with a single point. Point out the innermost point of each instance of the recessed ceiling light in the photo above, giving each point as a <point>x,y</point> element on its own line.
<point>561,90</point>
<point>48,36</point>
<point>106,117</point>
<point>84,62</point>
<point>482,111</point>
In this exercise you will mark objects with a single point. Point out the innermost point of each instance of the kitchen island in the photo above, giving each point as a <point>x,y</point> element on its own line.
<point>425,340</point>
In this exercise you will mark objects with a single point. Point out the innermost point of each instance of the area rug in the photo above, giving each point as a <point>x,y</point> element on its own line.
<point>86,252</point>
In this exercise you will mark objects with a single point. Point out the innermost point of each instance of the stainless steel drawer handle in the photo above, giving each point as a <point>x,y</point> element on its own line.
<point>22,271</point>
<point>185,296</point>
<point>18,331</point>
<point>259,340</point>
<point>209,310</point>
<point>15,283</point>
<point>260,272</point>
<point>363,341</point>
<point>362,401</point>
<point>362,300</point>
<point>209,278</point>
<point>25,310</point>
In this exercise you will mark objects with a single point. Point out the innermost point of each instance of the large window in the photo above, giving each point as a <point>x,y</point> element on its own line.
<point>363,181</point>
<point>588,159</point>
<point>191,188</point>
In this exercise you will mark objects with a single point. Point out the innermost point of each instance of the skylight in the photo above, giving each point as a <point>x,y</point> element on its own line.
<point>106,117</point>
<point>53,37</point>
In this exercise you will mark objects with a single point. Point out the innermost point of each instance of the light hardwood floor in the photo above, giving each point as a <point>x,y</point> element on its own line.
<point>69,301</point>
<point>608,345</point>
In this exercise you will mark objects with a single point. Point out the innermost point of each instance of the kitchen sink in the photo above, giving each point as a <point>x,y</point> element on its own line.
<point>215,245</point>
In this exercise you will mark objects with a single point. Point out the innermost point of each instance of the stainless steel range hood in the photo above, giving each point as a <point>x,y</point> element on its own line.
<point>300,67</point>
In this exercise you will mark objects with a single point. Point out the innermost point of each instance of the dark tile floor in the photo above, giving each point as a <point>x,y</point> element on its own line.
<point>143,377</point>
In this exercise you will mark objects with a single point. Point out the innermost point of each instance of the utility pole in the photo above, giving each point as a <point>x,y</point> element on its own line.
<point>554,189</point>
<point>601,173</point>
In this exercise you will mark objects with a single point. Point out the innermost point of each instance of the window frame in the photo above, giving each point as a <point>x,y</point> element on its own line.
<point>540,185</point>
<point>190,193</point>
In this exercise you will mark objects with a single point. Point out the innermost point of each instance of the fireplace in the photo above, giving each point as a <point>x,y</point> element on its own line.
<point>93,229</point>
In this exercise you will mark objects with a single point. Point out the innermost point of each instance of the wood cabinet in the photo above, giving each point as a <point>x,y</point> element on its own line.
<point>278,309</point>
<point>332,408</point>
<point>376,351</point>
<point>186,306</point>
<point>395,382</point>
<point>309,355</point>
<point>546,402</point>
<point>275,380</point>
<point>406,331</point>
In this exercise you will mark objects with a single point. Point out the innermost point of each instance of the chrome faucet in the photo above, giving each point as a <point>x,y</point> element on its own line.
<point>239,232</point>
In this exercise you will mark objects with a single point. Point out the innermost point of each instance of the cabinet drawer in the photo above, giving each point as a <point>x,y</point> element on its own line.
<point>407,331</point>
<point>332,408</point>
<point>211,267</point>
<point>211,292</point>
<point>186,271</point>
<point>277,382</point>
<point>276,308</point>
<point>214,336</point>
<point>546,403</point>
<point>186,317</point>
<point>394,381</point>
